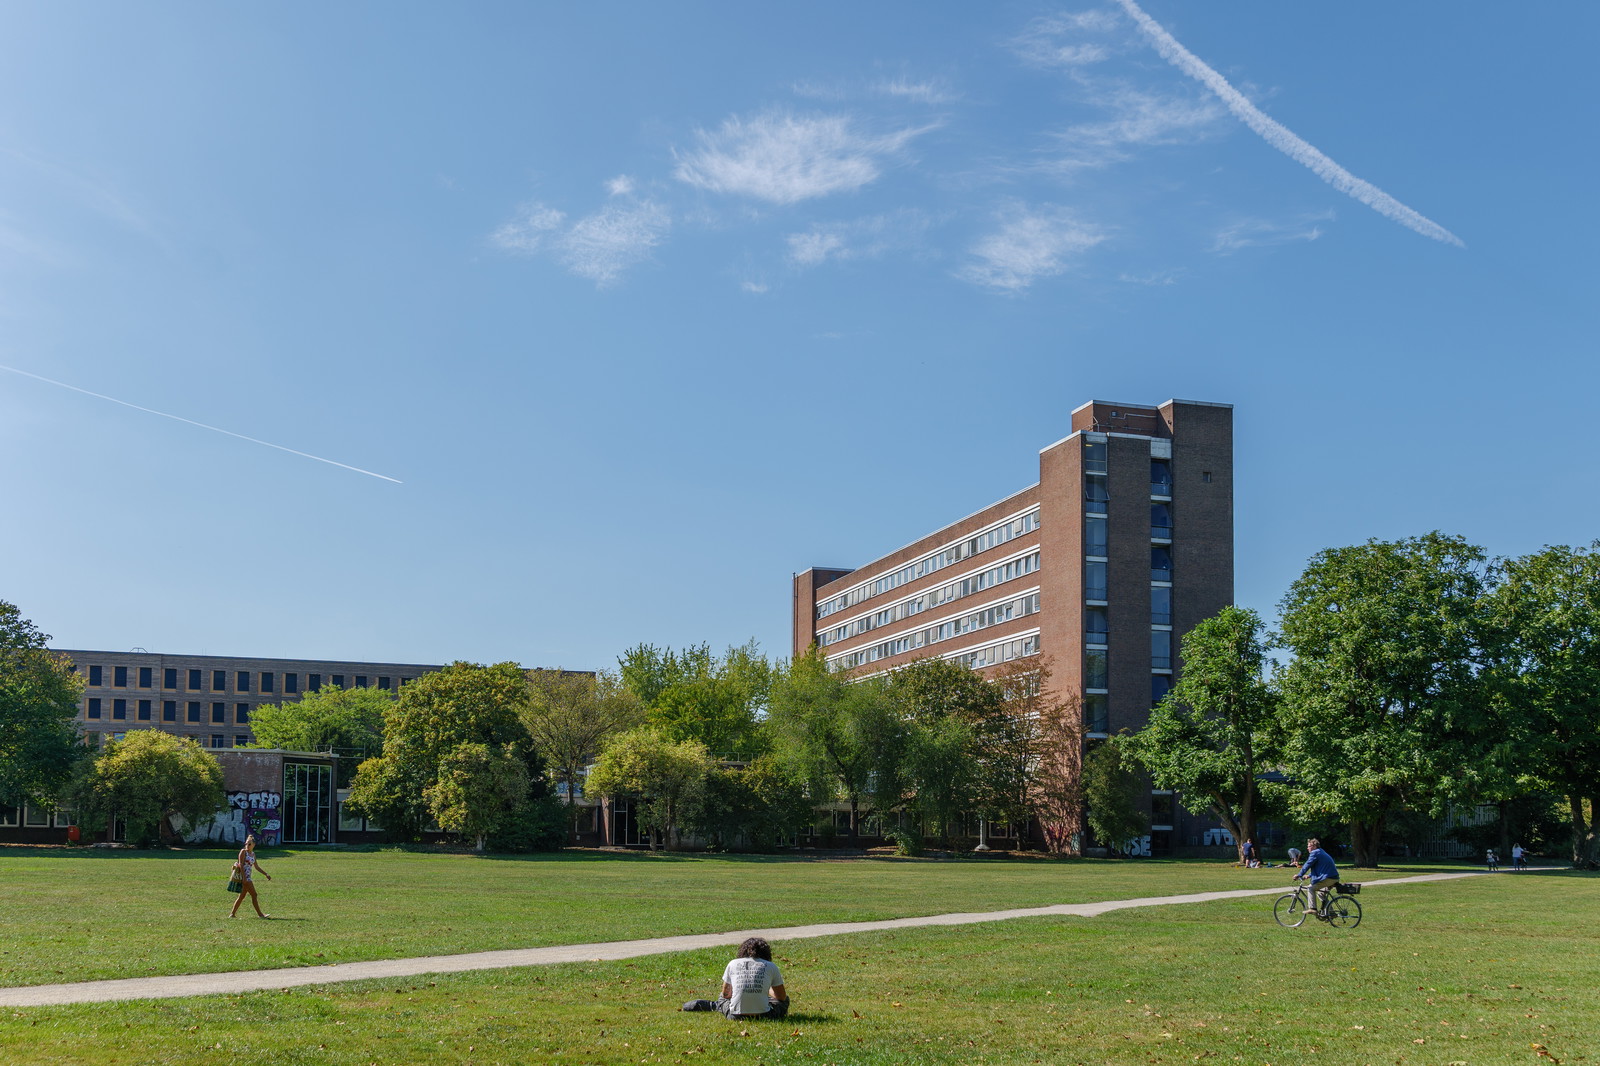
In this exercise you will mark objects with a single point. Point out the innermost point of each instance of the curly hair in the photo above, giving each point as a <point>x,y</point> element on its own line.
<point>755,948</point>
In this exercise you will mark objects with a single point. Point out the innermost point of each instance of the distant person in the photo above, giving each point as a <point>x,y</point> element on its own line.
<point>1294,857</point>
<point>1320,868</point>
<point>1519,858</point>
<point>752,987</point>
<point>244,868</point>
<point>1491,860</point>
<point>1250,853</point>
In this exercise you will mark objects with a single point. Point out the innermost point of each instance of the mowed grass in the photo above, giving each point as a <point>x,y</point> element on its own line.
<point>1482,971</point>
<point>81,914</point>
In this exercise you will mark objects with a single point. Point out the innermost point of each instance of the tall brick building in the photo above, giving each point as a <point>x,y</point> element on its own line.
<point>1124,544</point>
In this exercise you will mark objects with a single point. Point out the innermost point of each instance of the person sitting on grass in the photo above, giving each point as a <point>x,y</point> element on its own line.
<point>752,987</point>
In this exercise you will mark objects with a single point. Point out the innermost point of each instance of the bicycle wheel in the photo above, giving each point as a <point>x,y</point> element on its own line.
<point>1344,912</point>
<point>1290,910</point>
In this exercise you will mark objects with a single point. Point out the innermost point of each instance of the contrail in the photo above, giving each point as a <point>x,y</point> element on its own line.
<point>202,425</point>
<point>1281,137</point>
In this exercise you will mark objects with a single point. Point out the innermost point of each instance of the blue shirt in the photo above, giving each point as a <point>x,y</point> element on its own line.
<point>1320,865</point>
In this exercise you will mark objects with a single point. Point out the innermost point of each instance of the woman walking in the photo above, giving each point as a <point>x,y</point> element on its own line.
<point>244,867</point>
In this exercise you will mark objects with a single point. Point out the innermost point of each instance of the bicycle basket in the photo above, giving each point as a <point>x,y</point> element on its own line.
<point>1345,888</point>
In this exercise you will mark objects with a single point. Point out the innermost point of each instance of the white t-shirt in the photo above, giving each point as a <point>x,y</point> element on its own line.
<point>751,980</point>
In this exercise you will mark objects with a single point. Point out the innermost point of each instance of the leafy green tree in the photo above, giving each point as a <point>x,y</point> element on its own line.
<point>1212,734</point>
<point>1032,756</point>
<point>843,739</point>
<point>1546,617</point>
<point>159,784</point>
<point>667,776</point>
<point>1384,706</point>
<point>476,787</point>
<point>942,770</point>
<point>1114,790</point>
<point>434,716</point>
<point>569,717</point>
<point>694,695</point>
<point>758,806</point>
<point>348,721</point>
<point>39,695</point>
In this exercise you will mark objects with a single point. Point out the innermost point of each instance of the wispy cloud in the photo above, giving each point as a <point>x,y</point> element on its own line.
<point>621,185</point>
<point>1257,232</point>
<point>1139,119</point>
<point>529,230</point>
<point>603,245</point>
<point>783,158</point>
<point>862,238</point>
<point>930,91</point>
<point>1029,243</point>
<point>1063,40</point>
<point>755,288</point>
<point>98,193</point>
<point>1280,137</point>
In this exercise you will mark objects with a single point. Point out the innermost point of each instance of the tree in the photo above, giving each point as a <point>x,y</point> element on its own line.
<point>476,787</point>
<point>1212,733</point>
<point>942,770</point>
<point>1114,790</point>
<point>39,695</point>
<point>433,717</point>
<point>694,695</point>
<point>348,721</point>
<point>1032,756</point>
<point>758,805</point>
<point>666,775</point>
<point>569,717</point>
<point>155,782</point>
<point>1546,616</point>
<point>842,738</point>
<point>1383,704</point>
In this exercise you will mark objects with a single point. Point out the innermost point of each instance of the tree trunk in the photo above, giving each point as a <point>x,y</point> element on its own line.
<point>1365,840</point>
<point>482,839</point>
<point>1583,834</point>
<point>855,830</point>
<point>1505,829</point>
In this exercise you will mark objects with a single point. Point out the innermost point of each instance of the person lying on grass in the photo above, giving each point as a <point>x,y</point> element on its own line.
<point>752,987</point>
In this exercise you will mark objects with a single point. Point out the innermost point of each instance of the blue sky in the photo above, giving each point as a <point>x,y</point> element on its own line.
<point>647,307</point>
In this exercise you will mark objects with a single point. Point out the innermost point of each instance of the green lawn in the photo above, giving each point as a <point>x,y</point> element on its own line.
<point>1479,971</point>
<point>80,914</point>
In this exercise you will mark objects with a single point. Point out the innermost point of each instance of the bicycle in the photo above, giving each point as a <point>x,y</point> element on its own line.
<point>1339,907</point>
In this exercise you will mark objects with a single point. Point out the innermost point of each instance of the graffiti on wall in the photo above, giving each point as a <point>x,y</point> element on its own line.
<point>247,813</point>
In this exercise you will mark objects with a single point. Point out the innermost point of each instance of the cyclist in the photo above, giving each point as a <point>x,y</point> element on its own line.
<point>1320,868</point>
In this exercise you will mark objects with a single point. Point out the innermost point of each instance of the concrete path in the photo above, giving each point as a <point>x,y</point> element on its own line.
<point>211,984</point>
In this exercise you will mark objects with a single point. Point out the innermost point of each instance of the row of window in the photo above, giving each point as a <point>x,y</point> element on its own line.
<point>213,740</point>
<point>144,711</point>
<point>996,654</point>
<point>936,597</point>
<point>1016,607</point>
<point>264,680</point>
<point>949,555</point>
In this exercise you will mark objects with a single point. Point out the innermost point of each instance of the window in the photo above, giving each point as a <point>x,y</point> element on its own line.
<point>1094,581</point>
<point>94,707</point>
<point>1160,605</point>
<point>338,681</point>
<point>95,677</point>
<point>119,708</point>
<point>307,803</point>
<point>1161,808</point>
<point>219,713</point>
<point>1096,713</point>
<point>241,714</point>
<point>37,814</point>
<point>219,681</point>
<point>267,681</point>
<point>169,677</point>
<point>1160,477</point>
<point>1094,456</point>
<point>361,681</point>
<point>1160,685</point>
<point>218,740</point>
<point>1205,475</point>
<point>383,683</point>
<point>291,682</point>
<point>1160,562</point>
<point>242,681</point>
<point>144,710</point>
<point>194,711</point>
<point>1095,668</point>
<point>194,681</point>
<point>169,710</point>
<point>1095,625</point>
<point>119,676</point>
<point>64,817</point>
<point>1017,607</point>
<point>9,816</point>
<point>1094,536</point>
<point>1161,521</point>
<point>1161,649</point>
<point>146,678</point>
<point>242,740</point>
<point>314,682</point>
<point>1095,496</point>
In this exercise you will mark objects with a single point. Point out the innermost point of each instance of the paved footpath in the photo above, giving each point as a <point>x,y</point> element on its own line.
<point>211,984</point>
